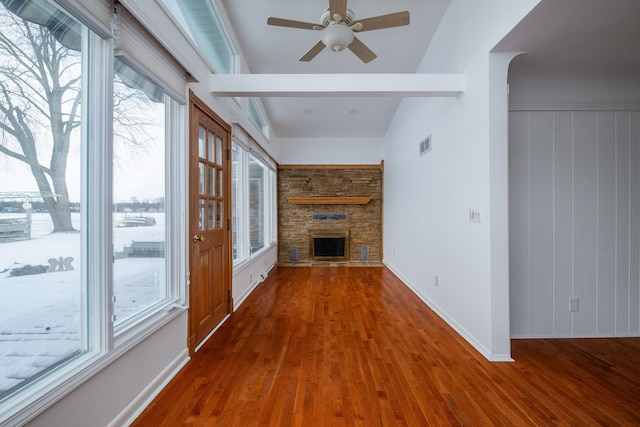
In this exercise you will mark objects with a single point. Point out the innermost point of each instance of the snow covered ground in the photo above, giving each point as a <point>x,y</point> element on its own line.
<point>40,315</point>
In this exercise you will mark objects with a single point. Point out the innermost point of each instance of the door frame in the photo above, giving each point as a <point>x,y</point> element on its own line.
<point>196,103</point>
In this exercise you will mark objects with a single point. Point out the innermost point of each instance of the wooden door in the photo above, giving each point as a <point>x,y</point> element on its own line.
<point>209,221</point>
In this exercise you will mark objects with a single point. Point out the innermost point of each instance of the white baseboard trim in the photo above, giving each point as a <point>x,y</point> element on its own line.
<point>569,336</point>
<point>139,404</point>
<point>453,323</point>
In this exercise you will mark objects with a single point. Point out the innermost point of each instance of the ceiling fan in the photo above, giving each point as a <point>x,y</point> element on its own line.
<point>338,25</point>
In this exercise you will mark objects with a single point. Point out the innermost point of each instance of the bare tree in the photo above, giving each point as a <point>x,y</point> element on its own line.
<point>40,100</point>
<point>39,108</point>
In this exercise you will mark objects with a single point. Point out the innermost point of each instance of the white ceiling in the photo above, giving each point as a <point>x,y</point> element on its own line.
<point>597,36</point>
<point>276,50</point>
<point>566,33</point>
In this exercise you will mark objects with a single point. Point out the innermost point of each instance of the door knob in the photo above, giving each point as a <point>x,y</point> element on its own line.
<point>197,238</point>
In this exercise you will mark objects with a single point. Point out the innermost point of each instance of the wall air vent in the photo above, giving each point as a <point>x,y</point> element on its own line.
<point>425,145</point>
<point>364,253</point>
<point>329,217</point>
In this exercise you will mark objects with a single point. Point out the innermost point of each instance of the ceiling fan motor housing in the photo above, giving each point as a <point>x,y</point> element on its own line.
<point>338,31</point>
<point>326,19</point>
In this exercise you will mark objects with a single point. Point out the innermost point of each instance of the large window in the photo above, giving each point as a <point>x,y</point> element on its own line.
<point>139,233</point>
<point>43,205</point>
<point>253,203</point>
<point>200,21</point>
<point>88,155</point>
<point>258,185</point>
<point>257,117</point>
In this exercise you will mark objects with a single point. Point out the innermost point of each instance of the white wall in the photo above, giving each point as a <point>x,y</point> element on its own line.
<point>545,88</point>
<point>575,223</point>
<point>116,394</point>
<point>250,274</point>
<point>316,151</point>
<point>574,150</point>
<point>427,199</point>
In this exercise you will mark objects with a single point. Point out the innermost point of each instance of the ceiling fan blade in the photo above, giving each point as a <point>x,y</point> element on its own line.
<point>397,19</point>
<point>313,52</point>
<point>279,22</point>
<point>361,51</point>
<point>338,7</point>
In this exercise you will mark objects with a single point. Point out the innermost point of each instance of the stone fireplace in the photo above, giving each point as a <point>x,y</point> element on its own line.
<point>330,213</point>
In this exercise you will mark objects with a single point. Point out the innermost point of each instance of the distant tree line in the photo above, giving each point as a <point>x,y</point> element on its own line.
<point>134,205</point>
<point>130,206</point>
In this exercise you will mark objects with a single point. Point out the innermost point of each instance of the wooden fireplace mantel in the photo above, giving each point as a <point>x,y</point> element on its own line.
<point>329,200</point>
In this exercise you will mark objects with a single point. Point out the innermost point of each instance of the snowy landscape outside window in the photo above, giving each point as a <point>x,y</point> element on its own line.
<point>69,241</point>
<point>43,288</point>
<point>139,267</point>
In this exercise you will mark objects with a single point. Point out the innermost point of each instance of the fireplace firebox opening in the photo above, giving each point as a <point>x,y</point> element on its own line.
<point>329,245</point>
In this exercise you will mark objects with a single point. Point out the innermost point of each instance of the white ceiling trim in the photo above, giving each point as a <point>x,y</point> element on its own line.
<point>321,85</point>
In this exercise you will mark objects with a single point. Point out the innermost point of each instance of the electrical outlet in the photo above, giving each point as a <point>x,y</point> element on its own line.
<point>437,280</point>
<point>574,305</point>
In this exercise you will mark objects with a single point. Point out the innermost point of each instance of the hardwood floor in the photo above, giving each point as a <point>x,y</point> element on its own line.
<point>353,346</point>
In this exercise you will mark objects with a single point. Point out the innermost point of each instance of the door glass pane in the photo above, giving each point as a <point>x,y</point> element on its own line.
<point>212,215</point>
<point>202,142</point>
<point>219,183</point>
<point>43,307</point>
<point>202,216</point>
<point>139,267</point>
<point>219,215</point>
<point>219,158</point>
<point>211,154</point>
<point>212,180</point>
<point>202,176</point>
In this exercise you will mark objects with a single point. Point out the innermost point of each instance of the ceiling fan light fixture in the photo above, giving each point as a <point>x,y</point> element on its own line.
<point>337,37</point>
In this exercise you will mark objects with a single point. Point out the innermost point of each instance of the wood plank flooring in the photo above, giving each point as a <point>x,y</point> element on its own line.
<point>353,346</point>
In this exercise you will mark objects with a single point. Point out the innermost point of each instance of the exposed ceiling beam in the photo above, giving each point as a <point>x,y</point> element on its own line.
<point>337,85</point>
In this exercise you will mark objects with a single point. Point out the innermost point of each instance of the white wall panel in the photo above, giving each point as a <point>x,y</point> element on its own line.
<point>562,215</point>
<point>540,222</point>
<point>574,223</point>
<point>606,223</point>
<point>622,224</point>
<point>634,231</point>
<point>519,222</point>
<point>585,222</point>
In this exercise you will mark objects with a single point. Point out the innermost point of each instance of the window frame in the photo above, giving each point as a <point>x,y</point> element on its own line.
<point>175,261</point>
<point>257,116</point>
<point>241,202</point>
<point>216,63</point>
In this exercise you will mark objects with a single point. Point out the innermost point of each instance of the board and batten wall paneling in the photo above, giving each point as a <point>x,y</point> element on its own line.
<point>584,223</point>
<point>518,223</point>
<point>562,214</point>
<point>574,223</point>
<point>541,289</point>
